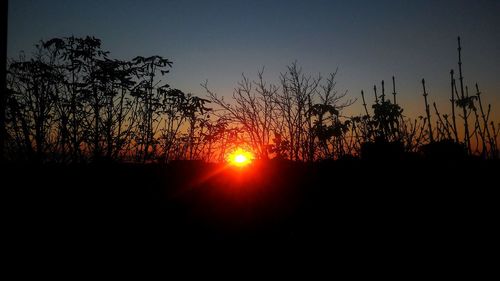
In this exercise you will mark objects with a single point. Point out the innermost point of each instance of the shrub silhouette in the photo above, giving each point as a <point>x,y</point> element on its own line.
<point>448,150</point>
<point>71,102</point>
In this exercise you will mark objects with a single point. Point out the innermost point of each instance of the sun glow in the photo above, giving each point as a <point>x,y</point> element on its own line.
<point>240,158</point>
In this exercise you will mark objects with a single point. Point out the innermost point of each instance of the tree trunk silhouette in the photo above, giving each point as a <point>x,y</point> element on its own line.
<point>3,76</point>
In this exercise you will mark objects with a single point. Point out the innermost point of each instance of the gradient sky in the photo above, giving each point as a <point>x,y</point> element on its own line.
<point>218,40</point>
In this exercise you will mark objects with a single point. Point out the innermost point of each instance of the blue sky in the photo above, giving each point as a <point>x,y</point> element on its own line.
<point>218,40</point>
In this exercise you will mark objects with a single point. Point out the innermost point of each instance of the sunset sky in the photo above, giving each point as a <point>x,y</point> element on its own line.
<point>218,40</point>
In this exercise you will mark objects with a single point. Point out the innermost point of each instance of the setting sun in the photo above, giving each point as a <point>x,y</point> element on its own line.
<point>240,158</point>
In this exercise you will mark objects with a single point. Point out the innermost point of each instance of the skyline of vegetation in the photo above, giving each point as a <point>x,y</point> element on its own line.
<point>72,102</point>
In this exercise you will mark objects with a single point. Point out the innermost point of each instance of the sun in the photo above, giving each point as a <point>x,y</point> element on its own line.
<point>240,158</point>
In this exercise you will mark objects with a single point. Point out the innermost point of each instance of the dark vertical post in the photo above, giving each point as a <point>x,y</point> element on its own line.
<point>3,78</point>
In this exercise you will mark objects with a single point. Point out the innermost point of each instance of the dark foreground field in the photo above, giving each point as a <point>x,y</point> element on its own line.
<point>410,206</point>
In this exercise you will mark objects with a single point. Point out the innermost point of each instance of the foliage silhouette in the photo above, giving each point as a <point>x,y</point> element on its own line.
<point>71,102</point>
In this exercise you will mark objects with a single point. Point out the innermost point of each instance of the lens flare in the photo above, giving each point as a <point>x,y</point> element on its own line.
<point>240,158</point>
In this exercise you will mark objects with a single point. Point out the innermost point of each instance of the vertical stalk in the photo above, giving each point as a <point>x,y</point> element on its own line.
<point>466,124</point>
<point>383,91</point>
<point>427,111</point>
<point>364,104</point>
<point>453,102</point>
<point>485,120</point>
<point>394,89</point>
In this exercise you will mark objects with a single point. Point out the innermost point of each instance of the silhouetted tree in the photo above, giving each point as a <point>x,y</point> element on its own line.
<point>253,110</point>
<point>149,101</point>
<point>34,86</point>
<point>291,120</point>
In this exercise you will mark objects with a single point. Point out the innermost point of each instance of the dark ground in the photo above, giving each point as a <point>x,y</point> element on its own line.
<point>353,205</point>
